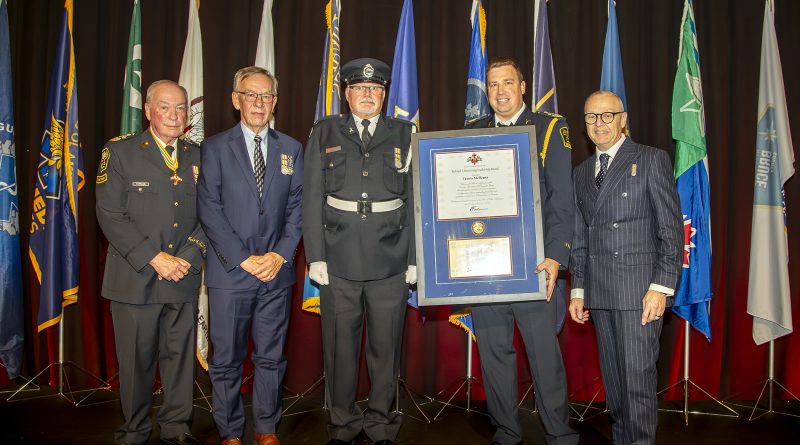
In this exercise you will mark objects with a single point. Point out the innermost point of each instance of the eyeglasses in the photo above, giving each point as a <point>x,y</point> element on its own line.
<point>607,117</point>
<point>250,96</point>
<point>368,88</point>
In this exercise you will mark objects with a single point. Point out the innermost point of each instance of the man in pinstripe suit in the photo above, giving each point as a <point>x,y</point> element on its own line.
<point>626,261</point>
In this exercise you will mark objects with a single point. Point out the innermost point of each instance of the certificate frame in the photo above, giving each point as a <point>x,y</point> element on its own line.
<point>477,214</point>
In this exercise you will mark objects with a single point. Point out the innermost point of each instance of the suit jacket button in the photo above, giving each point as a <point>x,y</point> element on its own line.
<point>624,194</point>
<point>615,225</point>
<point>366,155</point>
<point>261,211</point>
<point>176,203</point>
<point>363,217</point>
<point>365,173</point>
<point>616,254</point>
<point>365,195</point>
<point>169,245</point>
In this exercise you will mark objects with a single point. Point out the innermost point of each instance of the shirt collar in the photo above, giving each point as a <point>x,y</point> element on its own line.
<point>513,120</point>
<point>161,143</point>
<point>611,152</point>
<point>249,134</point>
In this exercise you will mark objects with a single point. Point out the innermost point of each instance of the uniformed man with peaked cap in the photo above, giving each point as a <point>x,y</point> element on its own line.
<point>146,193</point>
<point>358,236</point>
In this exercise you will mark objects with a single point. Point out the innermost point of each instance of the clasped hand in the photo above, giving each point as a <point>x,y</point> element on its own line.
<point>264,267</point>
<point>170,267</point>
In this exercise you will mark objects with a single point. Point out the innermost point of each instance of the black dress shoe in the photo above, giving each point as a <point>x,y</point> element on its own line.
<point>183,439</point>
<point>336,442</point>
<point>385,442</point>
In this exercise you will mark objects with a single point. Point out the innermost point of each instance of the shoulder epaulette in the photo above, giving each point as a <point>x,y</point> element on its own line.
<point>121,137</point>
<point>329,117</point>
<point>547,113</point>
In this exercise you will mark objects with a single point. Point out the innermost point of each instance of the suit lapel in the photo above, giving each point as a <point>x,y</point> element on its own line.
<point>351,132</point>
<point>273,159</point>
<point>238,146</point>
<point>150,146</point>
<point>526,118</point>
<point>381,132</point>
<point>620,166</point>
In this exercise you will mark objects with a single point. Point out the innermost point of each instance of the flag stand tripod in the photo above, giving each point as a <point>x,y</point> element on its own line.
<point>769,388</point>
<point>464,382</point>
<point>64,388</point>
<point>686,382</point>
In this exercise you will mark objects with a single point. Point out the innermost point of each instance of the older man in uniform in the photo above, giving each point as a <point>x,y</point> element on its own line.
<point>358,235</point>
<point>494,323</point>
<point>146,192</point>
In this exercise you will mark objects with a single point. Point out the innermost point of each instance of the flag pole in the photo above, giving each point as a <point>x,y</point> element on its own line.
<point>687,384</point>
<point>63,379</point>
<point>769,388</point>
<point>465,382</point>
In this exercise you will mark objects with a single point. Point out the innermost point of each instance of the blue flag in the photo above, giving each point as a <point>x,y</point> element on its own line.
<point>693,294</point>
<point>403,97</point>
<point>54,223</point>
<point>329,101</point>
<point>612,78</point>
<point>403,100</point>
<point>544,78</point>
<point>477,102</point>
<point>477,108</point>
<point>11,322</point>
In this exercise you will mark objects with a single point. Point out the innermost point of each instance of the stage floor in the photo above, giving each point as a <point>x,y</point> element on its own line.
<point>55,420</point>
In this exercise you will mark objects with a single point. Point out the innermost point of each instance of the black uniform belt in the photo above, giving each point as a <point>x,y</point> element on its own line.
<point>363,207</point>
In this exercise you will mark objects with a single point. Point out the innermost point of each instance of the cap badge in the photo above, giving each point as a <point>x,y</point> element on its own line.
<point>368,71</point>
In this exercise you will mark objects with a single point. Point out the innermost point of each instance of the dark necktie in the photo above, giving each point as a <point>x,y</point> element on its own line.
<point>598,180</point>
<point>258,165</point>
<point>365,136</point>
<point>500,124</point>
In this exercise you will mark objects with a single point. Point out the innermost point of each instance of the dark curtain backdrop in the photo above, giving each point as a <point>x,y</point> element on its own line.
<point>729,35</point>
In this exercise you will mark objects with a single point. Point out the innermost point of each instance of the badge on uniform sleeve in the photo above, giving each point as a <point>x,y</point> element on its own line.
<point>287,164</point>
<point>398,158</point>
<point>195,172</point>
<point>102,176</point>
<point>565,137</point>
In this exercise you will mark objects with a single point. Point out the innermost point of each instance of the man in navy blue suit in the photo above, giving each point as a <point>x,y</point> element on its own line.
<point>626,261</point>
<point>249,204</point>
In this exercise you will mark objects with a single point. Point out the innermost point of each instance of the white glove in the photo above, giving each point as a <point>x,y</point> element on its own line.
<point>318,271</point>
<point>411,275</point>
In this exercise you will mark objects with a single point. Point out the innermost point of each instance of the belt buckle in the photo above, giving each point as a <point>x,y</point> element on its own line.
<point>364,207</point>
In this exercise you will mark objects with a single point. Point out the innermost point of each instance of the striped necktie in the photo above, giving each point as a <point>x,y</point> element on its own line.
<point>258,165</point>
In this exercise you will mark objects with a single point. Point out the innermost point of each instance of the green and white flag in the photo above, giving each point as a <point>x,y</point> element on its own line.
<point>191,76</point>
<point>265,50</point>
<point>768,295</point>
<point>132,91</point>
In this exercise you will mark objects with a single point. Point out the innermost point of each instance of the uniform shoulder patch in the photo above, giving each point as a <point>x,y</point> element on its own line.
<point>102,176</point>
<point>565,137</point>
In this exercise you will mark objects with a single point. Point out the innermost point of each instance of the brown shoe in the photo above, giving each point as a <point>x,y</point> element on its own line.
<point>234,441</point>
<point>266,439</point>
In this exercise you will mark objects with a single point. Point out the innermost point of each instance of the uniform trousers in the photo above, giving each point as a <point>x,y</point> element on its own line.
<point>235,315</point>
<point>146,334</point>
<point>628,354</point>
<point>494,332</point>
<point>345,306</point>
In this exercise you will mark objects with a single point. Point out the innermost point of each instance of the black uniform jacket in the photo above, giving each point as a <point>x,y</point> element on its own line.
<point>142,213</point>
<point>368,246</point>
<point>555,181</point>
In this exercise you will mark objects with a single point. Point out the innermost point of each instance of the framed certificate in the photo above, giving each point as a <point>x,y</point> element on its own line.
<point>477,210</point>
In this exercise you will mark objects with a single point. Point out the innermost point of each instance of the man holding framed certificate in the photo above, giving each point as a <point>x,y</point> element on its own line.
<point>494,323</point>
